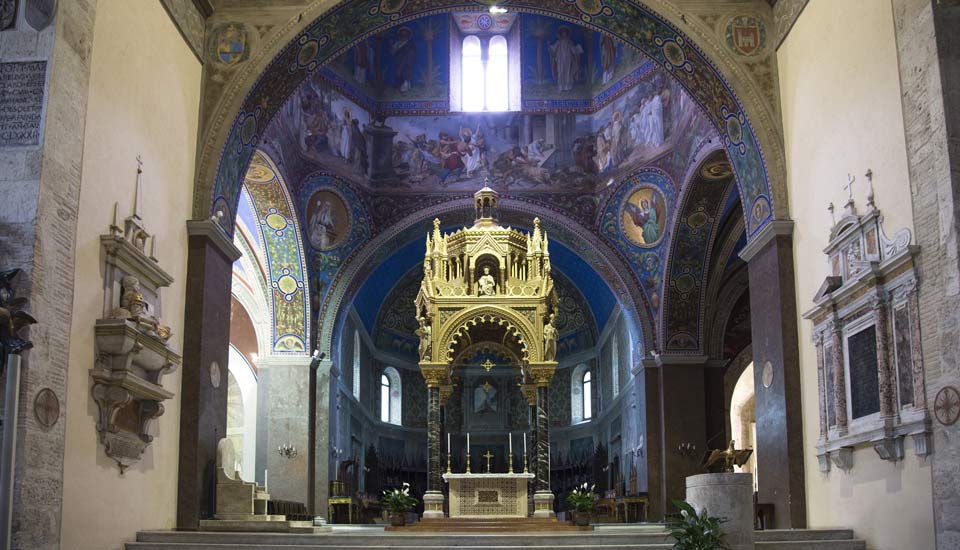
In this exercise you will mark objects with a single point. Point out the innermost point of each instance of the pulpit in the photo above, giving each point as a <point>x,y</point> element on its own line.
<point>488,495</point>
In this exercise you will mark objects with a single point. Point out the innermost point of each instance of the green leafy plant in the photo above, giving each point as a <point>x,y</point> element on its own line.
<point>582,498</point>
<point>697,531</point>
<point>399,500</point>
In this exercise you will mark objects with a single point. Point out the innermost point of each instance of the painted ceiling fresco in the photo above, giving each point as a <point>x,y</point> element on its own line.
<point>365,137</point>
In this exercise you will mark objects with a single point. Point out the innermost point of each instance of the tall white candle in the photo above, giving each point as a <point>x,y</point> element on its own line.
<point>511,443</point>
<point>524,443</point>
<point>265,482</point>
<point>468,442</point>
<point>448,442</point>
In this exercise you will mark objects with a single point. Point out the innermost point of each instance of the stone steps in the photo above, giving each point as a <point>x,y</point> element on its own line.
<point>378,539</point>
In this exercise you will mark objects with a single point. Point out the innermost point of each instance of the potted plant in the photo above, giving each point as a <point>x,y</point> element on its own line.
<point>697,531</point>
<point>398,502</point>
<point>582,499</point>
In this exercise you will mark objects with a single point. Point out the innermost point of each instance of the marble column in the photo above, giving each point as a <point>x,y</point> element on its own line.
<point>543,497</point>
<point>839,380</point>
<point>203,393</point>
<point>776,355</point>
<point>887,379</point>
<point>821,385</point>
<point>433,499</point>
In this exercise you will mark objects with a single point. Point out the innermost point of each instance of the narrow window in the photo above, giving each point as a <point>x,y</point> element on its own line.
<point>497,75</point>
<point>473,74</point>
<point>384,398</point>
<point>587,396</point>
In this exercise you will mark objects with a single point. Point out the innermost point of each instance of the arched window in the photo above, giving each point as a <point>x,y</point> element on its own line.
<point>356,364</point>
<point>486,74</point>
<point>587,396</point>
<point>390,392</point>
<point>473,74</point>
<point>578,394</point>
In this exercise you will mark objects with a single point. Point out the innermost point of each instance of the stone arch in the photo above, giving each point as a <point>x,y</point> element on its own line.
<point>608,263</point>
<point>695,225</point>
<point>693,56</point>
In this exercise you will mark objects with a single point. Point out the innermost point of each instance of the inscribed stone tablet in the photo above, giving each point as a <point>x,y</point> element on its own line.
<point>21,102</point>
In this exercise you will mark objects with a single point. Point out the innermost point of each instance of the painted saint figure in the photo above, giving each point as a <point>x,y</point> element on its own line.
<point>486,285</point>
<point>608,58</point>
<point>565,59</point>
<point>404,52</point>
<point>323,226</point>
<point>646,215</point>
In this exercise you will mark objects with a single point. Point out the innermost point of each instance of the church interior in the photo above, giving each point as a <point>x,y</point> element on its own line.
<point>477,273</point>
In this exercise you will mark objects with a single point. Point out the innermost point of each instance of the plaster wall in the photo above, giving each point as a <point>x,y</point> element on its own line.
<point>144,99</point>
<point>840,94</point>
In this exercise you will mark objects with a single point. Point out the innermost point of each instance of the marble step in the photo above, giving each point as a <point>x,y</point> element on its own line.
<point>802,534</point>
<point>379,540</point>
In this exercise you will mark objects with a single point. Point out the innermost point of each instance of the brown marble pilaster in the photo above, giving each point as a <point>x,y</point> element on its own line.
<point>206,340</point>
<point>887,380</point>
<point>821,385</point>
<point>839,380</point>
<point>779,411</point>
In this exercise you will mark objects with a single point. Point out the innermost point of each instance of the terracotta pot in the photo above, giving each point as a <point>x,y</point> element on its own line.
<point>398,519</point>
<point>581,518</point>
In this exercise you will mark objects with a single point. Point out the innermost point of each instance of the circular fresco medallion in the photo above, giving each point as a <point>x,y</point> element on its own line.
<point>717,170</point>
<point>259,172</point>
<point>46,407</point>
<point>946,406</point>
<point>767,375</point>
<point>215,374</point>
<point>328,220</point>
<point>643,216</point>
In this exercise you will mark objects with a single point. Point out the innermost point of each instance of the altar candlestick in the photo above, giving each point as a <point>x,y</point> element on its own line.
<point>524,443</point>
<point>448,442</point>
<point>468,443</point>
<point>511,443</point>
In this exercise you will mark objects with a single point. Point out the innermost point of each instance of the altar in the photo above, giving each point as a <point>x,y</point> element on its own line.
<point>488,495</point>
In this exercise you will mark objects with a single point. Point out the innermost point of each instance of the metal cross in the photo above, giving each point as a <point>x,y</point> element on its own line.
<point>488,456</point>
<point>487,365</point>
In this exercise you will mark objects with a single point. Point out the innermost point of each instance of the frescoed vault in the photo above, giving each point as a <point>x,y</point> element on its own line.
<point>279,234</point>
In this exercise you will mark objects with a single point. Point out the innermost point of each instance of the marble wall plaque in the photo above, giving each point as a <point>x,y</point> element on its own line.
<point>864,382</point>
<point>21,102</point>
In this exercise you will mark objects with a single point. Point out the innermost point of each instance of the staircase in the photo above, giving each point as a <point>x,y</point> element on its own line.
<point>479,526</point>
<point>607,538</point>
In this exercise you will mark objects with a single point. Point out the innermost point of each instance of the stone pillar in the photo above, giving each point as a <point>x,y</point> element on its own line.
<point>776,359</point>
<point>380,155</point>
<point>287,421</point>
<point>928,51</point>
<point>543,497</point>
<point>321,426</point>
<point>728,496</point>
<point>433,499</point>
<point>821,384</point>
<point>203,393</point>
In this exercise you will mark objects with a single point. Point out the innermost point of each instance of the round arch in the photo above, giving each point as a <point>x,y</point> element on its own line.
<point>310,40</point>
<point>607,263</point>
<point>511,321</point>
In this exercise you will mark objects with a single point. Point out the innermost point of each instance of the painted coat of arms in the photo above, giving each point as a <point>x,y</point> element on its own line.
<point>230,44</point>
<point>746,35</point>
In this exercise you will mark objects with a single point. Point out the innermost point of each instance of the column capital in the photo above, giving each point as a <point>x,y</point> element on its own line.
<point>774,229</point>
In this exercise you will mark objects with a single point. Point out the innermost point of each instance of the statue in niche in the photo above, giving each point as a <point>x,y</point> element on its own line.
<point>485,398</point>
<point>136,309</point>
<point>426,337</point>
<point>550,339</point>
<point>486,284</point>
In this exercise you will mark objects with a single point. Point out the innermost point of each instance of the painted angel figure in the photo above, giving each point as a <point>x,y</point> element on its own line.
<point>647,215</point>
